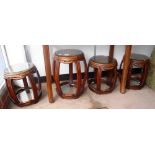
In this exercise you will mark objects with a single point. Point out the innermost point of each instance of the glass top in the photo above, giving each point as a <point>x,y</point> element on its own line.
<point>135,56</point>
<point>18,68</point>
<point>68,52</point>
<point>102,59</point>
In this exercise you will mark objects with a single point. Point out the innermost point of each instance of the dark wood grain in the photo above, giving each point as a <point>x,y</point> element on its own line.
<point>125,68</point>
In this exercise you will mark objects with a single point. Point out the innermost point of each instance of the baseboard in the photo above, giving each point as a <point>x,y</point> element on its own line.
<point>64,77</point>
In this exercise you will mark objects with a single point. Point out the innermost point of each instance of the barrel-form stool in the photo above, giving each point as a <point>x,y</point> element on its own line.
<point>23,83</point>
<point>102,63</point>
<point>136,80</point>
<point>70,57</point>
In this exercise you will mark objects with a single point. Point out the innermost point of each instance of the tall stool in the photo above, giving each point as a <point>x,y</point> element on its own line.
<point>136,80</point>
<point>28,76</point>
<point>70,57</point>
<point>103,63</point>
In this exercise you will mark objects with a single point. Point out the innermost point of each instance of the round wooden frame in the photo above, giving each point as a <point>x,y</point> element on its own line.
<point>79,84</point>
<point>23,76</point>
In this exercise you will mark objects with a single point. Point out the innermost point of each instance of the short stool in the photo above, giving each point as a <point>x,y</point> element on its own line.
<point>102,63</point>
<point>137,71</point>
<point>23,83</point>
<point>70,57</point>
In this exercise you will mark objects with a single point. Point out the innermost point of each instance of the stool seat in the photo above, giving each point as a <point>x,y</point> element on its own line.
<point>18,69</point>
<point>139,57</point>
<point>105,62</point>
<point>69,52</point>
<point>100,59</point>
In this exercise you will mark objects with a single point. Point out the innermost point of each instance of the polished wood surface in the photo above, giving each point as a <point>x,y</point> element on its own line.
<point>48,72</point>
<point>125,68</point>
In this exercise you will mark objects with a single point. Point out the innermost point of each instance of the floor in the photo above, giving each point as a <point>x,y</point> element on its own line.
<point>132,99</point>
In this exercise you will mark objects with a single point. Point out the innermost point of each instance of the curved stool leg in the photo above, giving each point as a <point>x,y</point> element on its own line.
<point>12,93</point>
<point>39,82</point>
<point>79,78</point>
<point>114,79</point>
<point>56,78</point>
<point>34,88</point>
<point>98,83</point>
<point>26,85</point>
<point>85,75</point>
<point>70,74</point>
<point>145,73</point>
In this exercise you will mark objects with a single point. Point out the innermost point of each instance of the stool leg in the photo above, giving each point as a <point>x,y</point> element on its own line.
<point>114,79</point>
<point>12,93</point>
<point>85,74</point>
<point>145,73</point>
<point>56,77</point>
<point>33,85</point>
<point>70,74</point>
<point>110,76</point>
<point>79,78</point>
<point>99,75</point>
<point>39,82</point>
<point>26,85</point>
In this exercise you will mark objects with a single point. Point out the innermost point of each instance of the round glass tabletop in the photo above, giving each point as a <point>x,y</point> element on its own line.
<point>68,52</point>
<point>102,59</point>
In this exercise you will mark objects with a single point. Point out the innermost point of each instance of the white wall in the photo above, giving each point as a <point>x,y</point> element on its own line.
<point>16,54</point>
<point>34,53</point>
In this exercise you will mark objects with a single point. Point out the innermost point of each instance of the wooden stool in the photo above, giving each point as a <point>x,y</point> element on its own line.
<point>70,56</point>
<point>137,81</point>
<point>102,63</point>
<point>30,77</point>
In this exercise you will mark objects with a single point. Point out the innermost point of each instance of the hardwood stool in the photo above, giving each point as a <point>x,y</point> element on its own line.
<point>28,76</point>
<point>102,63</point>
<point>70,57</point>
<point>141,63</point>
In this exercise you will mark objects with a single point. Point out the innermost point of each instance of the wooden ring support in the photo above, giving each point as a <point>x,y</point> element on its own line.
<point>99,64</point>
<point>24,75</point>
<point>139,61</point>
<point>70,56</point>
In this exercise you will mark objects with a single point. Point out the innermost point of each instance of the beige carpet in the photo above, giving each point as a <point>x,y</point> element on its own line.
<point>132,99</point>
